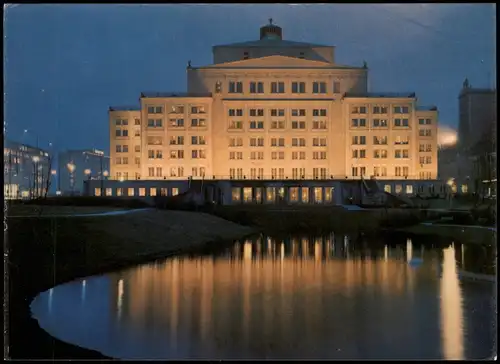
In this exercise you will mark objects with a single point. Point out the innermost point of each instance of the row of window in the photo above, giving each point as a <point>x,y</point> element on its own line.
<point>176,109</point>
<point>274,142</point>
<point>380,171</point>
<point>153,191</point>
<point>278,173</point>
<point>279,155</point>
<point>320,125</point>
<point>177,140</point>
<point>361,123</point>
<point>272,194</point>
<point>124,122</point>
<point>279,87</point>
<point>356,109</point>
<point>277,112</point>
<point>277,125</point>
<point>176,123</point>
<point>178,154</point>
<point>319,141</point>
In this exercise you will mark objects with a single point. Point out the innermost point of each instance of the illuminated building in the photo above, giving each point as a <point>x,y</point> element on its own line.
<point>274,109</point>
<point>26,170</point>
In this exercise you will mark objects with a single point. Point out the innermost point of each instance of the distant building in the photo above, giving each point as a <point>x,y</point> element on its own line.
<point>26,170</point>
<point>477,138</point>
<point>75,166</point>
<point>273,109</point>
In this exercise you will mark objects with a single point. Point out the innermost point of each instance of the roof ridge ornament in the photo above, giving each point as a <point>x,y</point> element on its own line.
<point>270,21</point>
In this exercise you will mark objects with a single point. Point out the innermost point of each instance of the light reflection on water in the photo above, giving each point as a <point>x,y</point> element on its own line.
<point>301,297</point>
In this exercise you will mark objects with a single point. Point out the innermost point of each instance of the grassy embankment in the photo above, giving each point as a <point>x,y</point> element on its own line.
<point>47,251</point>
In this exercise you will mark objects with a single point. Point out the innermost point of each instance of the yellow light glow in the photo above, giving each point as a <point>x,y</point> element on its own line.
<point>53,172</point>
<point>87,171</point>
<point>447,136</point>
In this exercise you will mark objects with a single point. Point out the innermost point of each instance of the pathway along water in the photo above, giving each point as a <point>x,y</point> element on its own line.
<point>328,297</point>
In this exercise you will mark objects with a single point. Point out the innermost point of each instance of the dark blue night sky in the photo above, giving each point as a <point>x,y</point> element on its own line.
<point>65,64</point>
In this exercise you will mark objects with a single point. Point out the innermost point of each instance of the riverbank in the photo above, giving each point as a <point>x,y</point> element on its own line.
<point>48,251</point>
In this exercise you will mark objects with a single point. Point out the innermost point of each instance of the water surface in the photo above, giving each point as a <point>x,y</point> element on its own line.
<point>327,297</point>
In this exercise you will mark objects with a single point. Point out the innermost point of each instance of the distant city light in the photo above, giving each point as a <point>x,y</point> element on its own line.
<point>87,171</point>
<point>53,172</point>
<point>447,136</point>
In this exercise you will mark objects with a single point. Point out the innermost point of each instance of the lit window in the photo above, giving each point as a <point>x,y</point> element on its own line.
<point>236,194</point>
<point>109,191</point>
<point>175,191</point>
<point>97,192</point>
<point>142,192</point>
<point>130,192</point>
<point>409,189</point>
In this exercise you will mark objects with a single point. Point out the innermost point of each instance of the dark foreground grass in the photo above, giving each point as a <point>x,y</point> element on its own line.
<point>44,252</point>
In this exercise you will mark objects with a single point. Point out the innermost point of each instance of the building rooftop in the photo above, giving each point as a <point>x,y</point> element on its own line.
<point>124,108</point>
<point>272,43</point>
<point>175,94</point>
<point>381,94</point>
<point>11,144</point>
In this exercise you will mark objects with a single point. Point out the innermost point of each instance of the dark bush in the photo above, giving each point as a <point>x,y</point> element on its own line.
<point>89,201</point>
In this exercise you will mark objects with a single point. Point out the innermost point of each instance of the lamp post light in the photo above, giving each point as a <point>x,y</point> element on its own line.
<point>450,184</point>
<point>71,168</point>
<point>54,174</point>
<point>35,159</point>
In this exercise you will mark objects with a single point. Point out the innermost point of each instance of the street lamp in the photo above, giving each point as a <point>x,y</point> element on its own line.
<point>450,184</point>
<point>71,168</point>
<point>105,173</point>
<point>87,172</point>
<point>35,159</point>
<point>54,174</point>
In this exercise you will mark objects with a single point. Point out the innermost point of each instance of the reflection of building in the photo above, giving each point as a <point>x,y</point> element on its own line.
<point>26,170</point>
<point>452,330</point>
<point>76,166</point>
<point>477,138</point>
<point>248,303</point>
<point>274,109</point>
